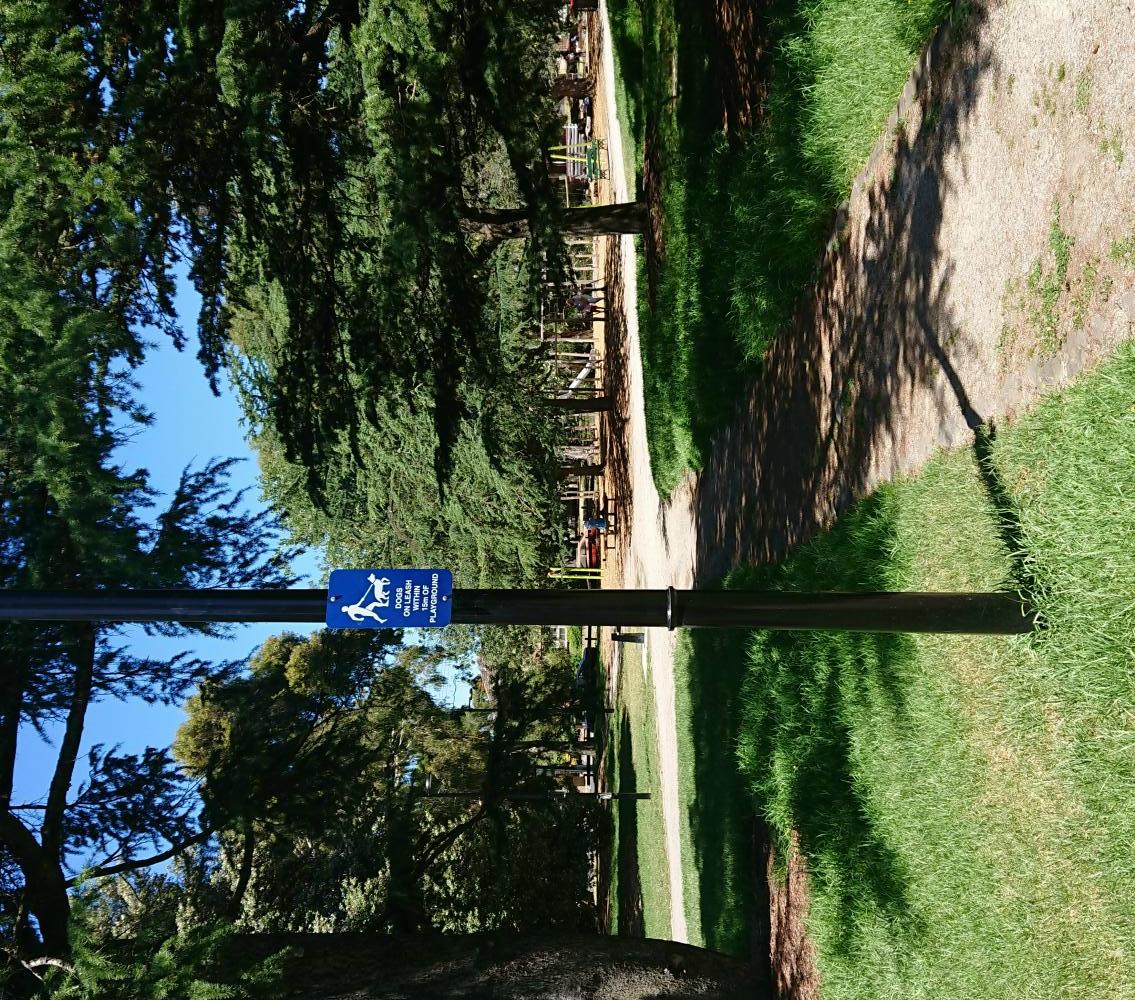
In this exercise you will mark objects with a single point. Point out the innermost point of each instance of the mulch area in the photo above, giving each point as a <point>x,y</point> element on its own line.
<point>791,954</point>
<point>616,458</point>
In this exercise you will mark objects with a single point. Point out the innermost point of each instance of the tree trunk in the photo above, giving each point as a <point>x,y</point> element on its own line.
<point>606,220</point>
<point>497,224</point>
<point>572,86</point>
<point>41,861</point>
<point>248,845</point>
<point>45,886</point>
<point>51,833</point>
<point>501,967</point>
<point>581,404</point>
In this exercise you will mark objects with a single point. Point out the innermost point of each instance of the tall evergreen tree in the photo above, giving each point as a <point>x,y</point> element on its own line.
<point>328,172</point>
<point>85,531</point>
<point>88,233</point>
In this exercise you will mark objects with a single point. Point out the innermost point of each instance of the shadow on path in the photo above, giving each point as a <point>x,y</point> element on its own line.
<point>819,422</point>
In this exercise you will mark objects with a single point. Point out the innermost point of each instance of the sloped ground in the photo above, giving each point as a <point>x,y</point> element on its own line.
<point>986,256</point>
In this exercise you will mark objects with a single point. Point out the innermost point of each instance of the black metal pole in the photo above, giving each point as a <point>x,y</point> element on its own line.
<point>549,796</point>
<point>873,612</point>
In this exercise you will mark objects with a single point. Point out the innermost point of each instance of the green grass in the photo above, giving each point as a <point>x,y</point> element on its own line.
<point>575,642</point>
<point>1112,145</point>
<point>1085,292</point>
<point>640,885</point>
<point>1083,92</point>
<point>716,811</point>
<point>1123,252</point>
<point>745,217</point>
<point>626,49</point>
<point>965,804</point>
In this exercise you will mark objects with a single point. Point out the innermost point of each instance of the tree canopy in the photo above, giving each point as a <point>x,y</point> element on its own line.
<point>318,168</point>
<point>86,531</point>
<point>88,233</point>
<point>335,179</point>
<point>319,770</point>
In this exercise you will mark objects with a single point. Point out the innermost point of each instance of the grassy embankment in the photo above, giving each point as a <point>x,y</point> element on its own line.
<point>746,216</point>
<point>640,885</point>
<point>966,804</point>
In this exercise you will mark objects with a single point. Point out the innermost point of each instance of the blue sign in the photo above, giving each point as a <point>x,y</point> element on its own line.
<point>389,598</point>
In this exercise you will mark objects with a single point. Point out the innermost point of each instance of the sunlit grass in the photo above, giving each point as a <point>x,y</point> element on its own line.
<point>965,804</point>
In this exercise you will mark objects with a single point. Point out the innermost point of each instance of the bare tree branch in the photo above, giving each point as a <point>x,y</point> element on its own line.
<point>134,865</point>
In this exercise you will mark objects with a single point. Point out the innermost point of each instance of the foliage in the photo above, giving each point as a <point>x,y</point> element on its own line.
<point>493,527</point>
<point>321,767</point>
<point>92,137</point>
<point>745,216</point>
<point>306,765</point>
<point>313,165</point>
<point>194,965</point>
<point>95,538</point>
<point>526,870</point>
<point>364,287</point>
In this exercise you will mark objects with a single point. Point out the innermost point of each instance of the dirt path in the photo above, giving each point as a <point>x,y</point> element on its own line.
<point>943,303</point>
<point>649,564</point>
<point>972,271</point>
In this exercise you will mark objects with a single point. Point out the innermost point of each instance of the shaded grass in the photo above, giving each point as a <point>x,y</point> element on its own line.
<point>640,884</point>
<point>966,804</point>
<point>719,876</point>
<point>745,217</point>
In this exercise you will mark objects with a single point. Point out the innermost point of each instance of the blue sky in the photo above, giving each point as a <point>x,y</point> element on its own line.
<point>191,426</point>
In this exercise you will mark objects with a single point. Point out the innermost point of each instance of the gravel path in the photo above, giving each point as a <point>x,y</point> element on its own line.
<point>978,264</point>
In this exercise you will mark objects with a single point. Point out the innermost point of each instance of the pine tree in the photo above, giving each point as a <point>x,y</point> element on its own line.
<point>87,237</point>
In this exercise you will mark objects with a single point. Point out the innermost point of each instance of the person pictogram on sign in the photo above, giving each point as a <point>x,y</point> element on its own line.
<point>378,587</point>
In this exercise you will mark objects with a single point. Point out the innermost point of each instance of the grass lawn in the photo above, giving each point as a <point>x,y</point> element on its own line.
<point>575,642</point>
<point>965,804</point>
<point>640,883</point>
<point>716,808</point>
<point>746,216</point>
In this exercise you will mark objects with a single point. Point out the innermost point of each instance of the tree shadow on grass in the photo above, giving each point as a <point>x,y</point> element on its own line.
<point>1005,511</point>
<point>720,813</point>
<point>801,697</point>
<point>795,698</point>
<point>630,880</point>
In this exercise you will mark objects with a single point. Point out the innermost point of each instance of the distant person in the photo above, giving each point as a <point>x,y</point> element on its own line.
<point>585,306</point>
